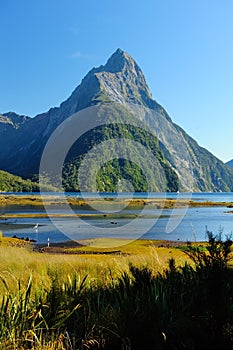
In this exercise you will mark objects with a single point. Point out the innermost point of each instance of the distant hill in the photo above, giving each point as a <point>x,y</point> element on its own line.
<point>119,91</point>
<point>13,183</point>
<point>230,163</point>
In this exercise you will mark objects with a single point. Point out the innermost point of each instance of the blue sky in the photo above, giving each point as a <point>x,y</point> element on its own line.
<point>184,47</point>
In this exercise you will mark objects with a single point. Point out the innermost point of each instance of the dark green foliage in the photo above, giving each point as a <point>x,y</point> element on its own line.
<point>12,183</point>
<point>113,172</point>
<point>218,250</point>
<point>189,307</point>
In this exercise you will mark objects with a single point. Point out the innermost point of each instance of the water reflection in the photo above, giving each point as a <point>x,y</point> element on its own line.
<point>192,226</point>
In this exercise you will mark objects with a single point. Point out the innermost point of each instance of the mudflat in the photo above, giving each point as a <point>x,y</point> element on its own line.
<point>56,200</point>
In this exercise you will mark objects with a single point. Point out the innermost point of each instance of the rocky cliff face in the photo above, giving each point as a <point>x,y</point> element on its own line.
<point>11,120</point>
<point>119,82</point>
<point>230,163</point>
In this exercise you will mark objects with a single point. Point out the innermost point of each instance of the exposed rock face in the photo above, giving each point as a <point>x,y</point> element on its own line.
<point>123,81</point>
<point>11,120</point>
<point>230,163</point>
<point>119,81</point>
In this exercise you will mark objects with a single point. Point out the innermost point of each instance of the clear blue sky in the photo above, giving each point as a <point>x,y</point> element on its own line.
<point>184,47</point>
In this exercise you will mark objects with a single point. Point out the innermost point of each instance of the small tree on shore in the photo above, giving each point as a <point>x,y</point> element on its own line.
<point>216,255</point>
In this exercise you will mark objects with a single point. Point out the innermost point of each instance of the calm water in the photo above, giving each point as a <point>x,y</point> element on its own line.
<point>177,224</point>
<point>195,196</point>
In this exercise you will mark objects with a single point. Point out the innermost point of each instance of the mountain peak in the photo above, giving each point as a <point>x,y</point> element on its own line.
<point>119,51</point>
<point>13,118</point>
<point>123,80</point>
<point>119,61</point>
<point>119,80</point>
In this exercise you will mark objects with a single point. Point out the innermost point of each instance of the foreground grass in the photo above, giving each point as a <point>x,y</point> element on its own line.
<point>133,300</point>
<point>18,261</point>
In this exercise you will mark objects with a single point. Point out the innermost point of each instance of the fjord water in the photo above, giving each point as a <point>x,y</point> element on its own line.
<point>194,196</point>
<point>192,223</point>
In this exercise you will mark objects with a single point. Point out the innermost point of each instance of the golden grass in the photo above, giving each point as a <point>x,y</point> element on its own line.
<point>18,261</point>
<point>39,200</point>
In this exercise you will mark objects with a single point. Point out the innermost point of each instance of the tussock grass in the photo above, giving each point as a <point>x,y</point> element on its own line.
<point>119,302</point>
<point>18,261</point>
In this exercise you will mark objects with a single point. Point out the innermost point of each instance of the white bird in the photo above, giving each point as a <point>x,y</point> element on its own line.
<point>36,227</point>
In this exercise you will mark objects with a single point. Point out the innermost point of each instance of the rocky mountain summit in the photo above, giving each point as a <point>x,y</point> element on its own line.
<point>230,163</point>
<point>119,90</point>
<point>11,120</point>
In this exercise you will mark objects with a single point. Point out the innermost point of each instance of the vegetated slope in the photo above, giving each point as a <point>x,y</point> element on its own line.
<point>13,183</point>
<point>127,172</point>
<point>118,87</point>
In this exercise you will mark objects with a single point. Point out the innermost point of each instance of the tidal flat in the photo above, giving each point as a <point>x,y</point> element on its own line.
<point>56,200</point>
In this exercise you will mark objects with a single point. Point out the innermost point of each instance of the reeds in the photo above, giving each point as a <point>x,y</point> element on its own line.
<point>187,307</point>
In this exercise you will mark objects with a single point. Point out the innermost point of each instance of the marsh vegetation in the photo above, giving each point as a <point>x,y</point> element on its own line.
<point>139,300</point>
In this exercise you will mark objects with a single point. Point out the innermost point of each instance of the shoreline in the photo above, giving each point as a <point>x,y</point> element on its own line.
<point>13,208</point>
<point>98,246</point>
<point>53,200</point>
